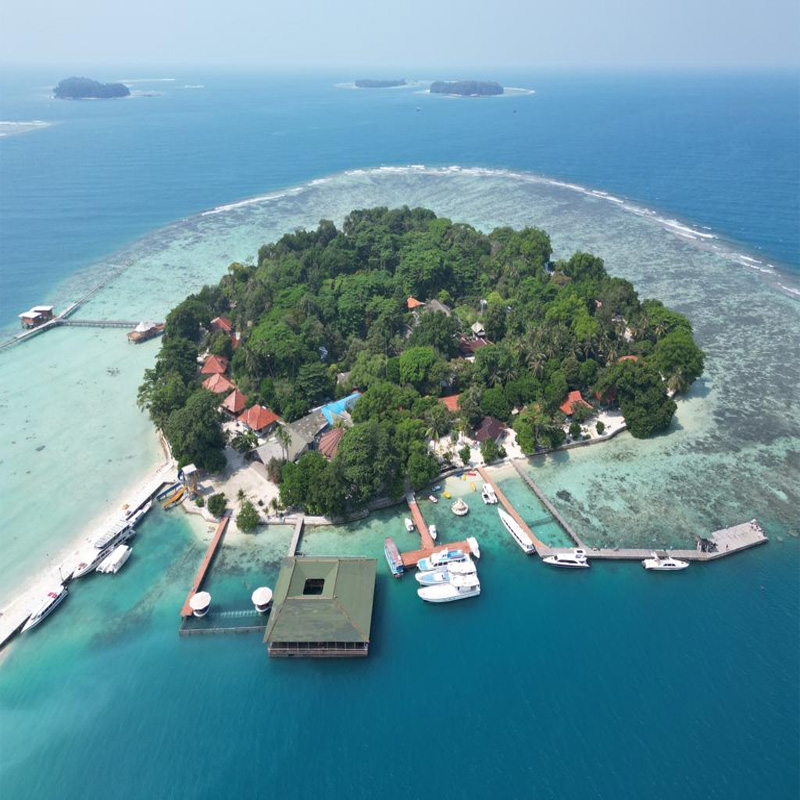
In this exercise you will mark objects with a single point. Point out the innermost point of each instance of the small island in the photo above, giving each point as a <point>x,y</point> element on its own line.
<point>352,362</point>
<point>467,88</point>
<point>370,83</point>
<point>88,89</point>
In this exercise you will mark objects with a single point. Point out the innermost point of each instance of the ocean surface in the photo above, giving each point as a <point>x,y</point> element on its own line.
<point>606,684</point>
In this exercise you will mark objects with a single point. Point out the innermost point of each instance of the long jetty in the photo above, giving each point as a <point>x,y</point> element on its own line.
<point>548,505</point>
<point>538,545</point>
<point>186,611</point>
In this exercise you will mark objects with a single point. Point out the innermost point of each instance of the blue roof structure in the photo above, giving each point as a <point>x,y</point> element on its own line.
<point>336,409</point>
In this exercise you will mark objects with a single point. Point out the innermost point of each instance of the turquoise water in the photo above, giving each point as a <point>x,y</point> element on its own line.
<point>611,683</point>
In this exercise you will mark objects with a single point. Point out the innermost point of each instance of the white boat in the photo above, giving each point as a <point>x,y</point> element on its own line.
<point>459,587</point>
<point>440,559</point>
<point>409,525</point>
<point>668,564</point>
<point>114,561</point>
<point>53,599</point>
<point>433,532</point>
<point>433,498</point>
<point>473,546</point>
<point>91,555</point>
<point>460,508</point>
<point>575,559</point>
<point>514,528</point>
<point>200,602</point>
<point>136,517</point>
<point>488,494</point>
<point>444,574</point>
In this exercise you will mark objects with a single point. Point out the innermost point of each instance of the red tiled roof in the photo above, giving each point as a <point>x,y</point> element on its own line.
<point>628,358</point>
<point>467,347</point>
<point>573,399</point>
<point>215,365</point>
<point>413,303</point>
<point>329,443</point>
<point>234,402</point>
<point>490,428</point>
<point>257,417</point>
<point>450,402</point>
<point>221,324</point>
<point>218,384</point>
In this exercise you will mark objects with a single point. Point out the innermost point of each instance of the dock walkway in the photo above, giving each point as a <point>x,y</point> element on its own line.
<point>540,547</point>
<point>186,611</point>
<point>426,540</point>
<point>298,530</point>
<point>548,505</point>
<point>412,557</point>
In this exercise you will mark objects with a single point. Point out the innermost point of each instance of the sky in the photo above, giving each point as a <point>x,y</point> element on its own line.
<point>314,34</point>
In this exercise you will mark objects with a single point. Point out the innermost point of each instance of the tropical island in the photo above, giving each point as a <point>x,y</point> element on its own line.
<point>351,361</point>
<point>467,88</point>
<point>88,89</point>
<point>370,83</point>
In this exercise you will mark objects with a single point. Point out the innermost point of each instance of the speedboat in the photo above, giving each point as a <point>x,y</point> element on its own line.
<point>409,524</point>
<point>444,574</point>
<point>433,498</point>
<point>460,508</point>
<point>458,587</point>
<point>488,494</point>
<point>113,562</point>
<point>433,532</point>
<point>668,564</point>
<point>515,529</point>
<point>575,559</point>
<point>473,546</point>
<point>440,559</point>
<point>54,598</point>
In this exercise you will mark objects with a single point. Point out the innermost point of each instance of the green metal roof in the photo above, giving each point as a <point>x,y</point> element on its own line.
<point>342,612</point>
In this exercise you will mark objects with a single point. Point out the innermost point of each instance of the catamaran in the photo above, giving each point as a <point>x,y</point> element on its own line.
<point>514,528</point>
<point>574,559</point>
<point>53,599</point>
<point>668,564</point>
<point>458,587</point>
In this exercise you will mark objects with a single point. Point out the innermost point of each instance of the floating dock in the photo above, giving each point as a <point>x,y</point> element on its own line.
<point>186,611</point>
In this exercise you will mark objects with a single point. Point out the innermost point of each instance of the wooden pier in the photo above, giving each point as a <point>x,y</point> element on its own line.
<point>97,323</point>
<point>540,547</point>
<point>412,557</point>
<point>186,611</point>
<point>548,505</point>
<point>426,540</point>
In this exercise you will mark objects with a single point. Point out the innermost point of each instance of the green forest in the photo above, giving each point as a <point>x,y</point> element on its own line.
<point>326,302</point>
<point>86,88</point>
<point>467,88</point>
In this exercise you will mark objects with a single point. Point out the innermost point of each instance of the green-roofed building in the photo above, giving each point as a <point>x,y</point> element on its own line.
<point>322,608</point>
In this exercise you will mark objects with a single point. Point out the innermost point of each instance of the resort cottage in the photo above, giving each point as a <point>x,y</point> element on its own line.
<point>259,419</point>
<point>215,365</point>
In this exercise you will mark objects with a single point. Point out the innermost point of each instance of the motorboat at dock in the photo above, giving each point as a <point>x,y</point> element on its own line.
<point>136,516</point>
<point>668,564</point>
<point>53,600</point>
<point>393,557</point>
<point>572,559</point>
<point>488,494</point>
<point>91,555</point>
<point>514,528</point>
<point>409,524</point>
<point>440,558</point>
<point>444,574</point>
<point>433,532</point>
<point>459,587</point>
<point>473,546</point>
<point>115,560</point>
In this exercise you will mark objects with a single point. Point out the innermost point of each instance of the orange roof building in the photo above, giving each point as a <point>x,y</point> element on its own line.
<point>218,384</point>
<point>235,402</point>
<point>628,358</point>
<point>413,303</point>
<point>450,402</point>
<point>215,365</point>
<point>329,443</point>
<point>573,399</point>
<point>258,418</point>
<point>221,324</point>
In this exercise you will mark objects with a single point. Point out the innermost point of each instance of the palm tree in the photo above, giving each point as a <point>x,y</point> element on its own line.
<point>284,439</point>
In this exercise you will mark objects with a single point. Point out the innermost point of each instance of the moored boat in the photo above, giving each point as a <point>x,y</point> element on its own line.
<point>136,516</point>
<point>459,587</point>
<point>668,564</point>
<point>174,499</point>
<point>433,532</point>
<point>572,559</point>
<point>170,491</point>
<point>409,524</point>
<point>460,508</point>
<point>91,555</point>
<point>52,600</point>
<point>433,498</point>
<point>115,560</point>
<point>515,529</point>
<point>445,573</point>
<point>440,558</point>
<point>488,494</point>
<point>393,558</point>
<point>473,546</point>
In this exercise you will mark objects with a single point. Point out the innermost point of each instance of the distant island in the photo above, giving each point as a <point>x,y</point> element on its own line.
<point>467,88</point>
<point>370,83</point>
<point>88,89</point>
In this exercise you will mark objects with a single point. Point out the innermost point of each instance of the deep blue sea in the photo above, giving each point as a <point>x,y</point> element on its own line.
<point>601,685</point>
